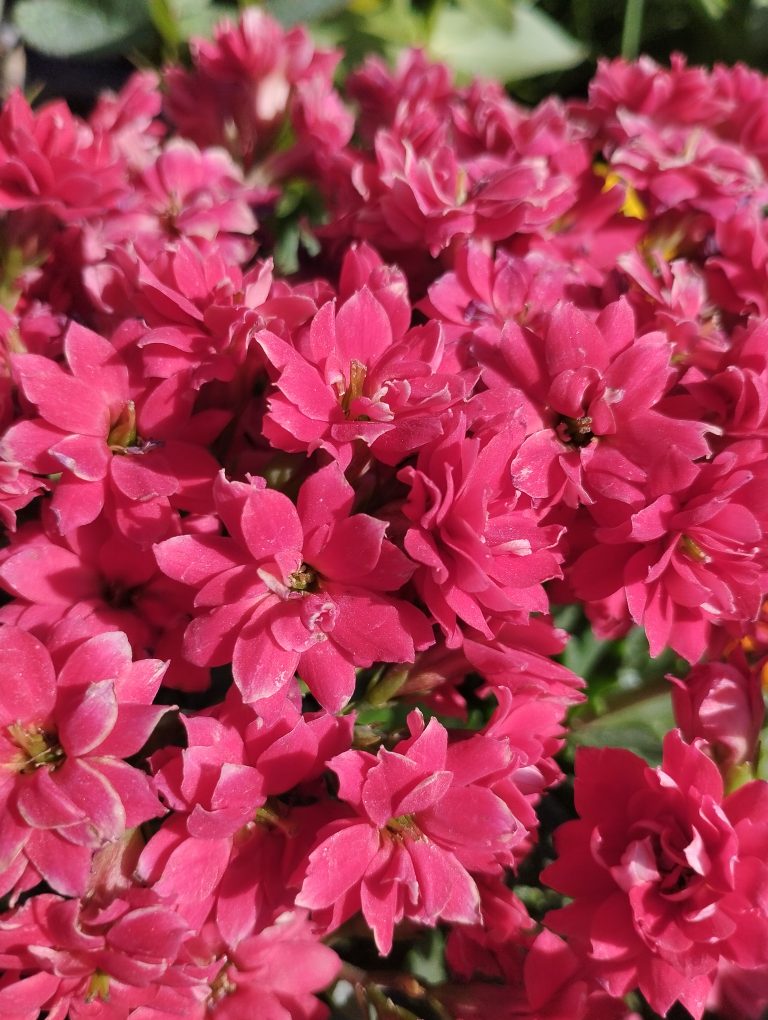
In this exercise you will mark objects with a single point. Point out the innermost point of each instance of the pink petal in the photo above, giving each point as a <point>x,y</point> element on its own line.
<point>352,550</point>
<point>43,805</point>
<point>77,502</point>
<point>270,525</point>
<point>86,716</point>
<point>28,442</point>
<point>64,401</point>
<point>446,890</point>
<point>195,559</point>
<point>134,789</point>
<point>63,865</point>
<point>28,688</point>
<point>194,869</point>
<point>87,457</point>
<point>95,362</point>
<point>103,657</point>
<point>143,476</point>
<point>259,665</point>
<point>50,575</point>
<point>363,329</point>
<point>337,865</point>
<point>325,496</point>
<point>329,675</point>
<point>89,790</point>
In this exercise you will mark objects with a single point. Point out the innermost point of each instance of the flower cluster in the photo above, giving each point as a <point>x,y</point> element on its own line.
<point>521,364</point>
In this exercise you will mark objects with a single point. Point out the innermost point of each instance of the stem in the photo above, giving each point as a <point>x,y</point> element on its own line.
<point>632,30</point>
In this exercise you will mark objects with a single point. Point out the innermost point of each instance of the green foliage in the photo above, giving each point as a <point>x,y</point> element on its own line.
<point>628,700</point>
<point>176,21</point>
<point>82,28</point>
<point>505,41</point>
<point>291,12</point>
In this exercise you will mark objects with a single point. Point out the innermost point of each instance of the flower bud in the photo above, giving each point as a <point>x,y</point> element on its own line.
<point>722,703</point>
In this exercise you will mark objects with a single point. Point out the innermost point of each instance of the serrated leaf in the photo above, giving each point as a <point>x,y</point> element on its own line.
<point>534,44</point>
<point>82,28</point>
<point>291,12</point>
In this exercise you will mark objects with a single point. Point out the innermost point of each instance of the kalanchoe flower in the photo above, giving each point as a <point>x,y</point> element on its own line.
<point>91,581</point>
<point>422,819</point>
<point>105,961</point>
<point>51,159</point>
<point>132,460</point>
<point>295,588</point>
<point>590,392</point>
<point>691,557</point>
<point>359,377</point>
<point>66,789</point>
<point>482,552</point>
<point>667,876</point>
<point>722,703</point>
<point>244,84</point>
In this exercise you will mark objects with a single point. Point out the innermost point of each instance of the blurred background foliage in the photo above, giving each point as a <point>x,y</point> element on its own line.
<point>536,47</point>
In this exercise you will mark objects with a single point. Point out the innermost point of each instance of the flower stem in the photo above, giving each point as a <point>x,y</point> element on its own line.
<point>632,30</point>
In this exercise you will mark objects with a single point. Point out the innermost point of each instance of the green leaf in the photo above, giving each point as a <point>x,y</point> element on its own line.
<point>475,45</point>
<point>715,9</point>
<point>638,727</point>
<point>179,20</point>
<point>82,28</point>
<point>291,12</point>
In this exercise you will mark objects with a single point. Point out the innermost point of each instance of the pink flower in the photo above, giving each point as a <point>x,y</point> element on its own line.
<point>243,84</point>
<point>295,588</point>
<point>50,158</point>
<point>691,557</point>
<point>532,977</point>
<point>722,703</point>
<point>591,391</point>
<point>66,789</point>
<point>274,973</point>
<point>104,960</point>
<point>360,377</point>
<point>481,555</point>
<point>133,459</point>
<point>666,875</point>
<point>423,820</point>
<point>185,192</point>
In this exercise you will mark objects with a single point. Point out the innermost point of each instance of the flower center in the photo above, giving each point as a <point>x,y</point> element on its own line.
<point>123,431</point>
<point>221,986</point>
<point>38,748</point>
<point>98,987</point>
<point>123,437</point>
<point>575,431</point>
<point>693,550</point>
<point>401,828</point>
<point>303,579</point>
<point>354,390</point>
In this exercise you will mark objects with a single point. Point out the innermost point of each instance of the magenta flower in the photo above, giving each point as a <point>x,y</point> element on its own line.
<point>244,83</point>
<point>480,555</point>
<point>105,961</point>
<point>693,556</point>
<point>590,391</point>
<point>423,820</point>
<point>295,588</point>
<point>722,703</point>
<point>667,875</point>
<point>133,460</point>
<point>52,159</point>
<point>360,377</point>
<point>274,973</point>
<point>65,788</point>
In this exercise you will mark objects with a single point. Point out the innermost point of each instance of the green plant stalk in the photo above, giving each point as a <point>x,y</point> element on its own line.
<point>632,31</point>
